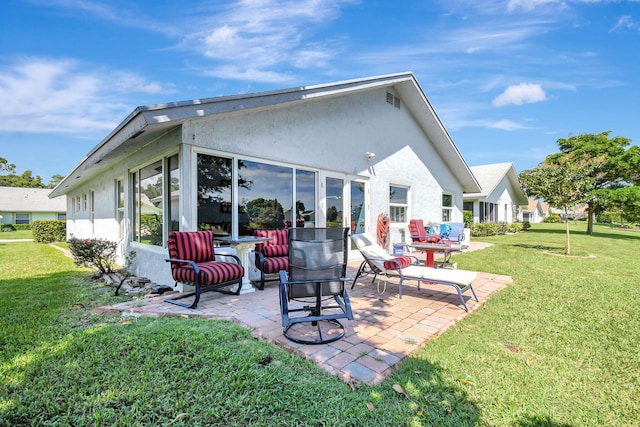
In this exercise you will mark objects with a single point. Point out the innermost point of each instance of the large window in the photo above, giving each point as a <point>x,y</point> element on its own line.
<point>151,185</point>
<point>265,196</point>
<point>214,194</point>
<point>335,202</point>
<point>398,203</point>
<point>447,207</point>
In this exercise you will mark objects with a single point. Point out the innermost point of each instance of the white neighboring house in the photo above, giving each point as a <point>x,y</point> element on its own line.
<point>336,154</point>
<point>24,205</point>
<point>500,196</point>
<point>534,212</point>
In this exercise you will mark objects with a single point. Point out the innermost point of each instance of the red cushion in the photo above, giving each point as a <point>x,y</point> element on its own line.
<point>211,273</point>
<point>275,250</point>
<point>275,264</point>
<point>278,237</point>
<point>196,246</point>
<point>433,238</point>
<point>404,261</point>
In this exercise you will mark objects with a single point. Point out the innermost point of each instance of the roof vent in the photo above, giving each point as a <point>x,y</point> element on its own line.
<point>393,100</point>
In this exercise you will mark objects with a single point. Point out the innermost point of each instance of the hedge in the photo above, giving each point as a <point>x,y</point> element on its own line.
<point>48,231</point>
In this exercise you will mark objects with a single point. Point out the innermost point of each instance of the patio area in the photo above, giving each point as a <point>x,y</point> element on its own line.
<point>385,329</point>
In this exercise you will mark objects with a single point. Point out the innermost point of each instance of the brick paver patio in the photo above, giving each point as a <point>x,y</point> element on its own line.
<point>385,331</point>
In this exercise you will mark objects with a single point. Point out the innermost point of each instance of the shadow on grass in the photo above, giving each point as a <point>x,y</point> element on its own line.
<point>598,234</point>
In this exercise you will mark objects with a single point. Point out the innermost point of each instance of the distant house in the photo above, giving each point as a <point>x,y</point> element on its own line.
<point>336,154</point>
<point>25,205</point>
<point>500,195</point>
<point>533,212</point>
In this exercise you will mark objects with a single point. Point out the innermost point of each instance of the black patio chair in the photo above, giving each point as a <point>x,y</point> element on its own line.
<point>315,285</point>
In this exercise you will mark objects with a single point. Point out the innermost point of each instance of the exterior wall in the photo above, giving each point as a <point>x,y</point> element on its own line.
<point>333,135</point>
<point>328,136</point>
<point>10,217</point>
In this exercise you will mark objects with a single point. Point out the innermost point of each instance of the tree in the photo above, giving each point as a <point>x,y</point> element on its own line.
<point>561,181</point>
<point>624,202</point>
<point>6,166</point>
<point>25,180</point>
<point>616,167</point>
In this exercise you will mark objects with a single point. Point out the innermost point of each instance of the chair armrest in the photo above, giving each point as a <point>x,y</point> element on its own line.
<point>185,261</point>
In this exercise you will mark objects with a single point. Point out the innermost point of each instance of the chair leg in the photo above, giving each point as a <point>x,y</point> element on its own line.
<point>360,270</point>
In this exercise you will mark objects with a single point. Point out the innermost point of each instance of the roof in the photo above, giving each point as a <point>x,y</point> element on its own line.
<point>489,176</point>
<point>18,199</point>
<point>145,124</point>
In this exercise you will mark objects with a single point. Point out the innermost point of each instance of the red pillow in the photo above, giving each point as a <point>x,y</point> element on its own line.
<point>404,261</point>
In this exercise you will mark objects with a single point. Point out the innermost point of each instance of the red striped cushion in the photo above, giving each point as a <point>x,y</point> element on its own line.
<point>416,229</point>
<point>279,237</point>
<point>404,261</point>
<point>275,250</point>
<point>275,264</point>
<point>195,246</point>
<point>210,272</point>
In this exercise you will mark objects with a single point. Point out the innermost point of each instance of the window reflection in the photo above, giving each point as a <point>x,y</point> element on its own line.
<point>305,198</point>
<point>214,194</point>
<point>357,204</point>
<point>335,202</point>
<point>174,193</point>
<point>150,204</point>
<point>265,196</point>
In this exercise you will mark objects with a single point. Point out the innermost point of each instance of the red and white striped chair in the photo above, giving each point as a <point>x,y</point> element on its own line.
<point>193,262</point>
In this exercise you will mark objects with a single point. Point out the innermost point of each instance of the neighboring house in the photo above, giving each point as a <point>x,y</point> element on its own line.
<point>533,212</point>
<point>336,154</point>
<point>24,205</point>
<point>500,195</point>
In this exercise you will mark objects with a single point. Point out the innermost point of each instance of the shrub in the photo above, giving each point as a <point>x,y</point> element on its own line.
<point>94,253</point>
<point>8,227</point>
<point>515,227</point>
<point>49,231</point>
<point>553,218</point>
<point>467,217</point>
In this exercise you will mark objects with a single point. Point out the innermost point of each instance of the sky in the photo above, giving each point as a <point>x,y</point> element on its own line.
<point>507,78</point>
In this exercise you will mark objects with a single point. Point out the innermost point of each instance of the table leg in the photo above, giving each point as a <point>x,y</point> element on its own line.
<point>244,249</point>
<point>429,260</point>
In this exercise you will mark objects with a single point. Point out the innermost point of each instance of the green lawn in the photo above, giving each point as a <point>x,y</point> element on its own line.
<point>558,347</point>
<point>18,234</point>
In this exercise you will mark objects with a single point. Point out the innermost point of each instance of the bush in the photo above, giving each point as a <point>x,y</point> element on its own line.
<point>8,227</point>
<point>553,218</point>
<point>467,217</point>
<point>49,231</point>
<point>94,253</point>
<point>515,227</point>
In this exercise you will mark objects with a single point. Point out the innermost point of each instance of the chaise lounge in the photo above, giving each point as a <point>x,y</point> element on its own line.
<point>378,262</point>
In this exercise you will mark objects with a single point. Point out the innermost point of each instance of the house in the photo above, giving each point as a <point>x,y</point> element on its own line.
<point>533,212</point>
<point>24,205</point>
<point>336,154</point>
<point>500,195</point>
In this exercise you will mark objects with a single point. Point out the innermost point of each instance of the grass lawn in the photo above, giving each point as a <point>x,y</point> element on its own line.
<point>558,347</point>
<point>18,234</point>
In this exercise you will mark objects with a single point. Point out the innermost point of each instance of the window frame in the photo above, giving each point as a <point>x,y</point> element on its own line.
<point>393,206</point>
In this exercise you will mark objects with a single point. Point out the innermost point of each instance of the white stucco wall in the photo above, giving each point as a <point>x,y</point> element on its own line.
<point>329,135</point>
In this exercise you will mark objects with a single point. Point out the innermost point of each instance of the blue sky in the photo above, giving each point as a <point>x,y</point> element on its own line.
<point>507,78</point>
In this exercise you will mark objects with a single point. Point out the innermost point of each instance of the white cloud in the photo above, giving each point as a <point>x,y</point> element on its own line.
<point>507,125</point>
<point>524,93</point>
<point>626,22</point>
<point>260,36</point>
<point>63,96</point>
<point>527,5</point>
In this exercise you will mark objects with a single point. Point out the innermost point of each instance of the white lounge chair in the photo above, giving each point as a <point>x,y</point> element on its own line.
<point>378,262</point>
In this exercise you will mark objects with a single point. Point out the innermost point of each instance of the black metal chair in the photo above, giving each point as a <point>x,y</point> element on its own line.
<point>315,285</point>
